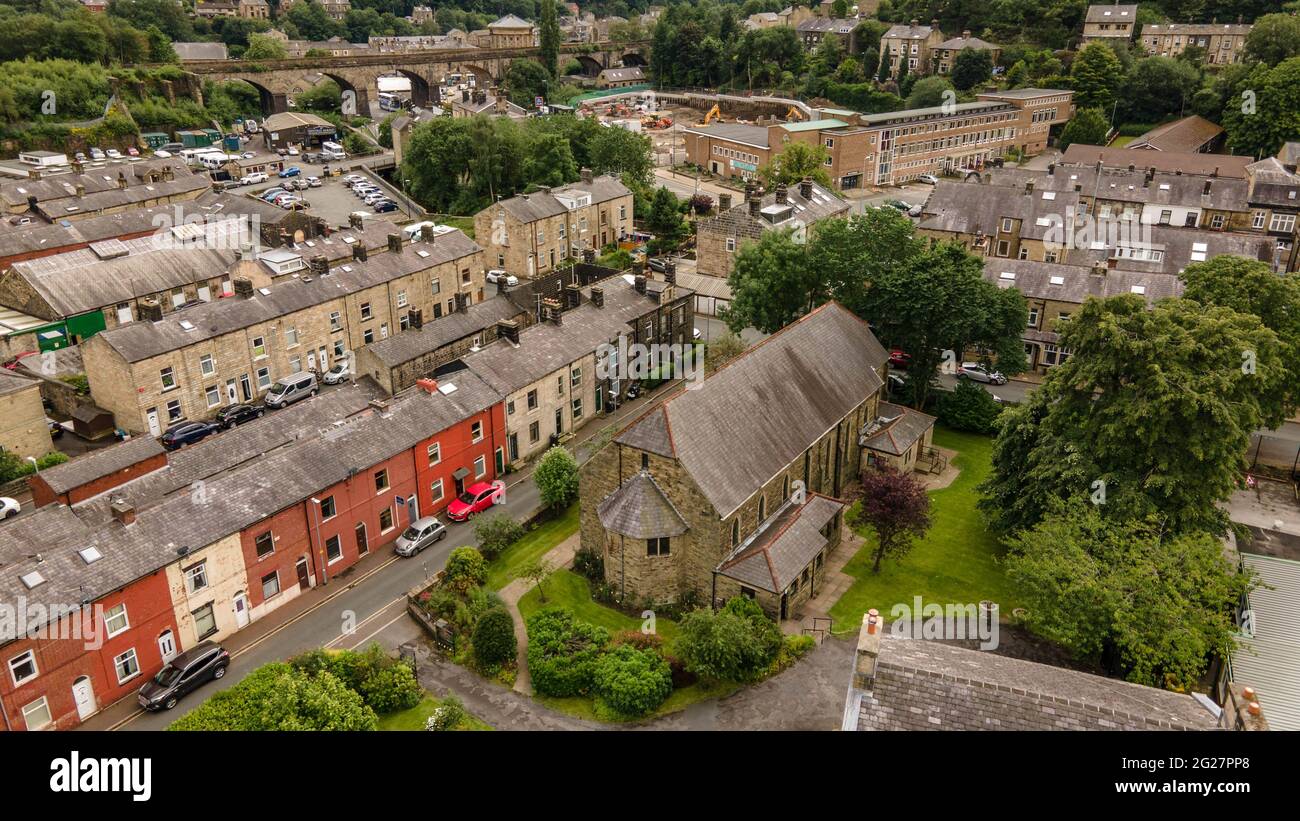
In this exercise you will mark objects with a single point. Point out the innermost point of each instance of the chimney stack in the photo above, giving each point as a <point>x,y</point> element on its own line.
<point>243,287</point>
<point>415,318</point>
<point>670,272</point>
<point>782,194</point>
<point>598,297</point>
<point>724,203</point>
<point>552,310</point>
<point>589,255</point>
<point>428,385</point>
<point>151,310</point>
<point>1206,192</point>
<point>1051,169</point>
<point>868,652</point>
<point>462,302</point>
<point>755,204</point>
<point>572,295</point>
<point>123,511</point>
<point>319,265</point>
<point>81,190</point>
<point>355,221</point>
<point>427,235</point>
<point>395,243</point>
<point>508,329</point>
<point>1099,269</point>
<point>586,175</point>
<point>121,180</point>
<point>639,283</point>
<point>1029,186</point>
<point>359,252</point>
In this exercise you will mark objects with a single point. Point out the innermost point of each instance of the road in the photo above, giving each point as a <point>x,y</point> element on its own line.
<point>373,606</point>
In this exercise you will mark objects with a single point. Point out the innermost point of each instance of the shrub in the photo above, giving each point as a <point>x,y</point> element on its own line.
<point>792,649</point>
<point>465,569</point>
<point>282,697</point>
<point>562,652</point>
<point>391,689</point>
<point>446,715</point>
<point>441,602</point>
<point>556,477</point>
<point>639,640</point>
<point>632,681</point>
<point>496,533</point>
<point>494,638</point>
<point>736,643</point>
<point>589,563</point>
<point>681,676</point>
<point>970,408</point>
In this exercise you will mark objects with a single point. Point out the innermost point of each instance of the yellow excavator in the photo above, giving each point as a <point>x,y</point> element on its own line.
<point>794,115</point>
<point>714,113</point>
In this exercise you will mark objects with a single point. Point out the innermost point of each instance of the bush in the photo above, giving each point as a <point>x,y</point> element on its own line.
<point>589,563</point>
<point>737,643</point>
<point>792,649</point>
<point>562,652</point>
<point>556,477</point>
<point>633,681</point>
<point>465,569</point>
<point>391,689</point>
<point>970,408</point>
<point>446,716</point>
<point>282,697</point>
<point>494,638</point>
<point>681,676</point>
<point>496,533</point>
<point>638,639</point>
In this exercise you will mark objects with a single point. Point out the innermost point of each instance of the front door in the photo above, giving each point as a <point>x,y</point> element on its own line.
<point>785,601</point>
<point>311,361</point>
<point>363,544</point>
<point>323,359</point>
<point>304,581</point>
<point>232,397</point>
<point>155,429</point>
<point>559,421</point>
<point>84,696</point>
<point>245,387</point>
<point>513,441</point>
<point>241,611</point>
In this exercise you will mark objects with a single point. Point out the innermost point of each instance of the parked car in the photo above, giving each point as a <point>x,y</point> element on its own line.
<point>928,179</point>
<point>9,508</point>
<point>133,151</point>
<point>247,155</point>
<point>420,534</point>
<point>384,206</point>
<point>497,275</point>
<point>161,153</point>
<point>658,264</point>
<point>895,383</point>
<point>476,499</point>
<point>293,151</point>
<point>187,433</point>
<point>353,179</point>
<point>899,359</point>
<point>271,193</point>
<point>96,154</point>
<point>200,664</point>
<point>338,373</point>
<point>80,156</point>
<point>374,198</point>
<point>232,415</point>
<point>113,154</point>
<point>253,179</point>
<point>978,373</point>
<point>291,389</point>
<point>313,182</point>
<point>915,210</point>
<point>291,171</point>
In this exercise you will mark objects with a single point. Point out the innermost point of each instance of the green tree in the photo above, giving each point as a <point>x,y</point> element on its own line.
<point>495,533</point>
<point>1157,87</point>
<point>1179,369</point>
<point>550,161</point>
<point>634,682</point>
<point>772,284</point>
<point>1096,76</point>
<point>265,47</point>
<point>160,48</point>
<point>795,162</point>
<point>620,152</point>
<point>969,407</point>
<point>556,477</point>
<point>882,72</point>
<point>896,507</point>
<point>929,92</point>
<point>665,220</point>
<point>1088,126</point>
<point>1264,111</point>
<point>1154,605</point>
<point>279,697</point>
<point>312,22</point>
<point>494,638</point>
<point>972,67</point>
<point>525,81</point>
<point>731,644</point>
<point>465,569</point>
<point>548,35</point>
<point>1273,38</point>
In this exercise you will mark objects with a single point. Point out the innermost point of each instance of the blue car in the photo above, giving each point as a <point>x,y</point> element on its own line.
<point>291,171</point>
<point>383,207</point>
<point>187,433</point>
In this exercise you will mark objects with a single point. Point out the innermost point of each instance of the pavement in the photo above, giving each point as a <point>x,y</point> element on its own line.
<point>366,603</point>
<point>560,556</point>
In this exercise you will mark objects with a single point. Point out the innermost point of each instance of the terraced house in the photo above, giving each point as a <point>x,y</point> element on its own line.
<point>732,488</point>
<point>187,365</point>
<point>531,234</point>
<point>797,209</point>
<point>1221,43</point>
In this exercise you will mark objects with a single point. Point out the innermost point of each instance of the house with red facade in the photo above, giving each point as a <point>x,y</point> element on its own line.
<point>136,556</point>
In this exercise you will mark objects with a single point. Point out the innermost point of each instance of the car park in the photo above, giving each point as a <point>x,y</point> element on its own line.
<point>233,415</point>
<point>979,373</point>
<point>384,206</point>
<point>9,508</point>
<point>496,275</point>
<point>420,534</point>
<point>291,171</point>
<point>187,433</point>
<point>198,665</point>
<point>291,389</point>
<point>477,498</point>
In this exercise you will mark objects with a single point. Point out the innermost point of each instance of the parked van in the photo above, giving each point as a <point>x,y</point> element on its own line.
<point>291,389</point>
<point>214,161</point>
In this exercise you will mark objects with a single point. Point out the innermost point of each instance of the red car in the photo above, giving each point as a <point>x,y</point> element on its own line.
<point>476,498</point>
<point>899,359</point>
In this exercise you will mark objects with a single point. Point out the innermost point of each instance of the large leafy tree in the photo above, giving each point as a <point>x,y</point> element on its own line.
<point>796,161</point>
<point>1088,126</point>
<point>897,508</point>
<point>1150,416</point>
<point>1157,87</point>
<point>1264,110</point>
<point>772,284</point>
<point>1273,38</point>
<point>556,477</point>
<point>1151,605</point>
<point>550,161</point>
<point>264,47</point>
<point>280,697</point>
<point>972,67</point>
<point>1096,76</point>
<point>548,35</point>
<point>930,92</point>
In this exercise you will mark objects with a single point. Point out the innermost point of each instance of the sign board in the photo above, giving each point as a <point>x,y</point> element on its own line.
<point>745,166</point>
<point>539,101</point>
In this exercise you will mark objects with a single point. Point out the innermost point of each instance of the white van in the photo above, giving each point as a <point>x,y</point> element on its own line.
<point>331,146</point>
<point>291,389</point>
<point>213,161</point>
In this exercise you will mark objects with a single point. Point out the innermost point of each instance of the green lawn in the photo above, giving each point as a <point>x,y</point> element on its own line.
<point>955,562</point>
<point>414,718</point>
<point>569,590</point>
<point>537,543</point>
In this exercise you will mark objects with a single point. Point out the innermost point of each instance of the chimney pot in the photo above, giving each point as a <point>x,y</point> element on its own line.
<point>395,243</point>
<point>724,203</point>
<point>1253,708</point>
<point>429,385</point>
<point>1249,693</point>
<point>598,297</point>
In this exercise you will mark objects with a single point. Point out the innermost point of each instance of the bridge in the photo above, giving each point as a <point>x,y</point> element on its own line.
<point>277,80</point>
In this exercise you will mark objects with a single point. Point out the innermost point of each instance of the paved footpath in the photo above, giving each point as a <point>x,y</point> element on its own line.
<point>557,558</point>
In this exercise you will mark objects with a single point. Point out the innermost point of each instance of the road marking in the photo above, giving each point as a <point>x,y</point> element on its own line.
<point>384,627</point>
<point>363,622</point>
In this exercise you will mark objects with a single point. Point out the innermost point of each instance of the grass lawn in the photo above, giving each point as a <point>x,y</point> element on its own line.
<point>955,562</point>
<point>414,718</point>
<point>537,543</point>
<point>569,590</point>
<point>465,224</point>
<point>1121,141</point>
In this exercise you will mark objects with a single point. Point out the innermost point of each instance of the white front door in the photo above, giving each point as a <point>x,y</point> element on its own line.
<point>84,696</point>
<point>241,611</point>
<point>155,429</point>
<point>232,396</point>
<point>167,645</point>
<point>323,359</point>
<point>311,361</point>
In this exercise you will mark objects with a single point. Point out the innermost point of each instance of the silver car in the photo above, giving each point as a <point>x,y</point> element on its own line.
<point>421,533</point>
<point>979,373</point>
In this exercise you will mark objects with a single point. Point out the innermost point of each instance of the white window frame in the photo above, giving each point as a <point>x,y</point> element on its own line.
<point>480,467</point>
<point>117,669</point>
<point>14,662</point>
<point>111,614</point>
<point>28,710</point>
<point>436,491</point>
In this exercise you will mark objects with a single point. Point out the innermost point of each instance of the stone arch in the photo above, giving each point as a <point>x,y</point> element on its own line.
<point>633,58</point>
<point>360,101</point>
<point>420,90</point>
<point>590,65</point>
<point>482,77</point>
<point>272,101</point>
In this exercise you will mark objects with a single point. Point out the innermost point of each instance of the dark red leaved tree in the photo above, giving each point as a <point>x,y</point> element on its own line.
<point>897,508</point>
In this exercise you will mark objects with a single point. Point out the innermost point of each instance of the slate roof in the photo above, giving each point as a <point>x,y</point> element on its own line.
<point>293,119</point>
<point>908,32</point>
<point>1197,29</point>
<point>622,74</point>
<point>1122,185</point>
<point>1221,164</point>
<point>737,221</point>
<point>639,509</point>
<point>896,429</point>
<point>827,25</point>
<point>958,43</point>
<point>94,180</point>
<point>752,418</point>
<point>53,209</point>
<point>976,208</point>
<point>1181,247</point>
<point>411,344</point>
<point>242,497</point>
<point>11,382</point>
<point>16,240</point>
<point>140,340</point>
<point>546,347</point>
<point>1273,185</point>
<point>1108,13</point>
<point>542,204</point>
<point>752,135</point>
<point>1075,283</point>
<point>1289,154</point>
<point>931,685</point>
<point>509,21</point>
<point>100,463</point>
<point>1186,135</point>
<point>783,546</point>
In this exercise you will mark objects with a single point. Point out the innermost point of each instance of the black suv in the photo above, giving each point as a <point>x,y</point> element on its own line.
<point>204,661</point>
<point>232,415</point>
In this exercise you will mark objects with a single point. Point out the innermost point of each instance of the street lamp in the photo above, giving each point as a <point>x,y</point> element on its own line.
<point>36,467</point>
